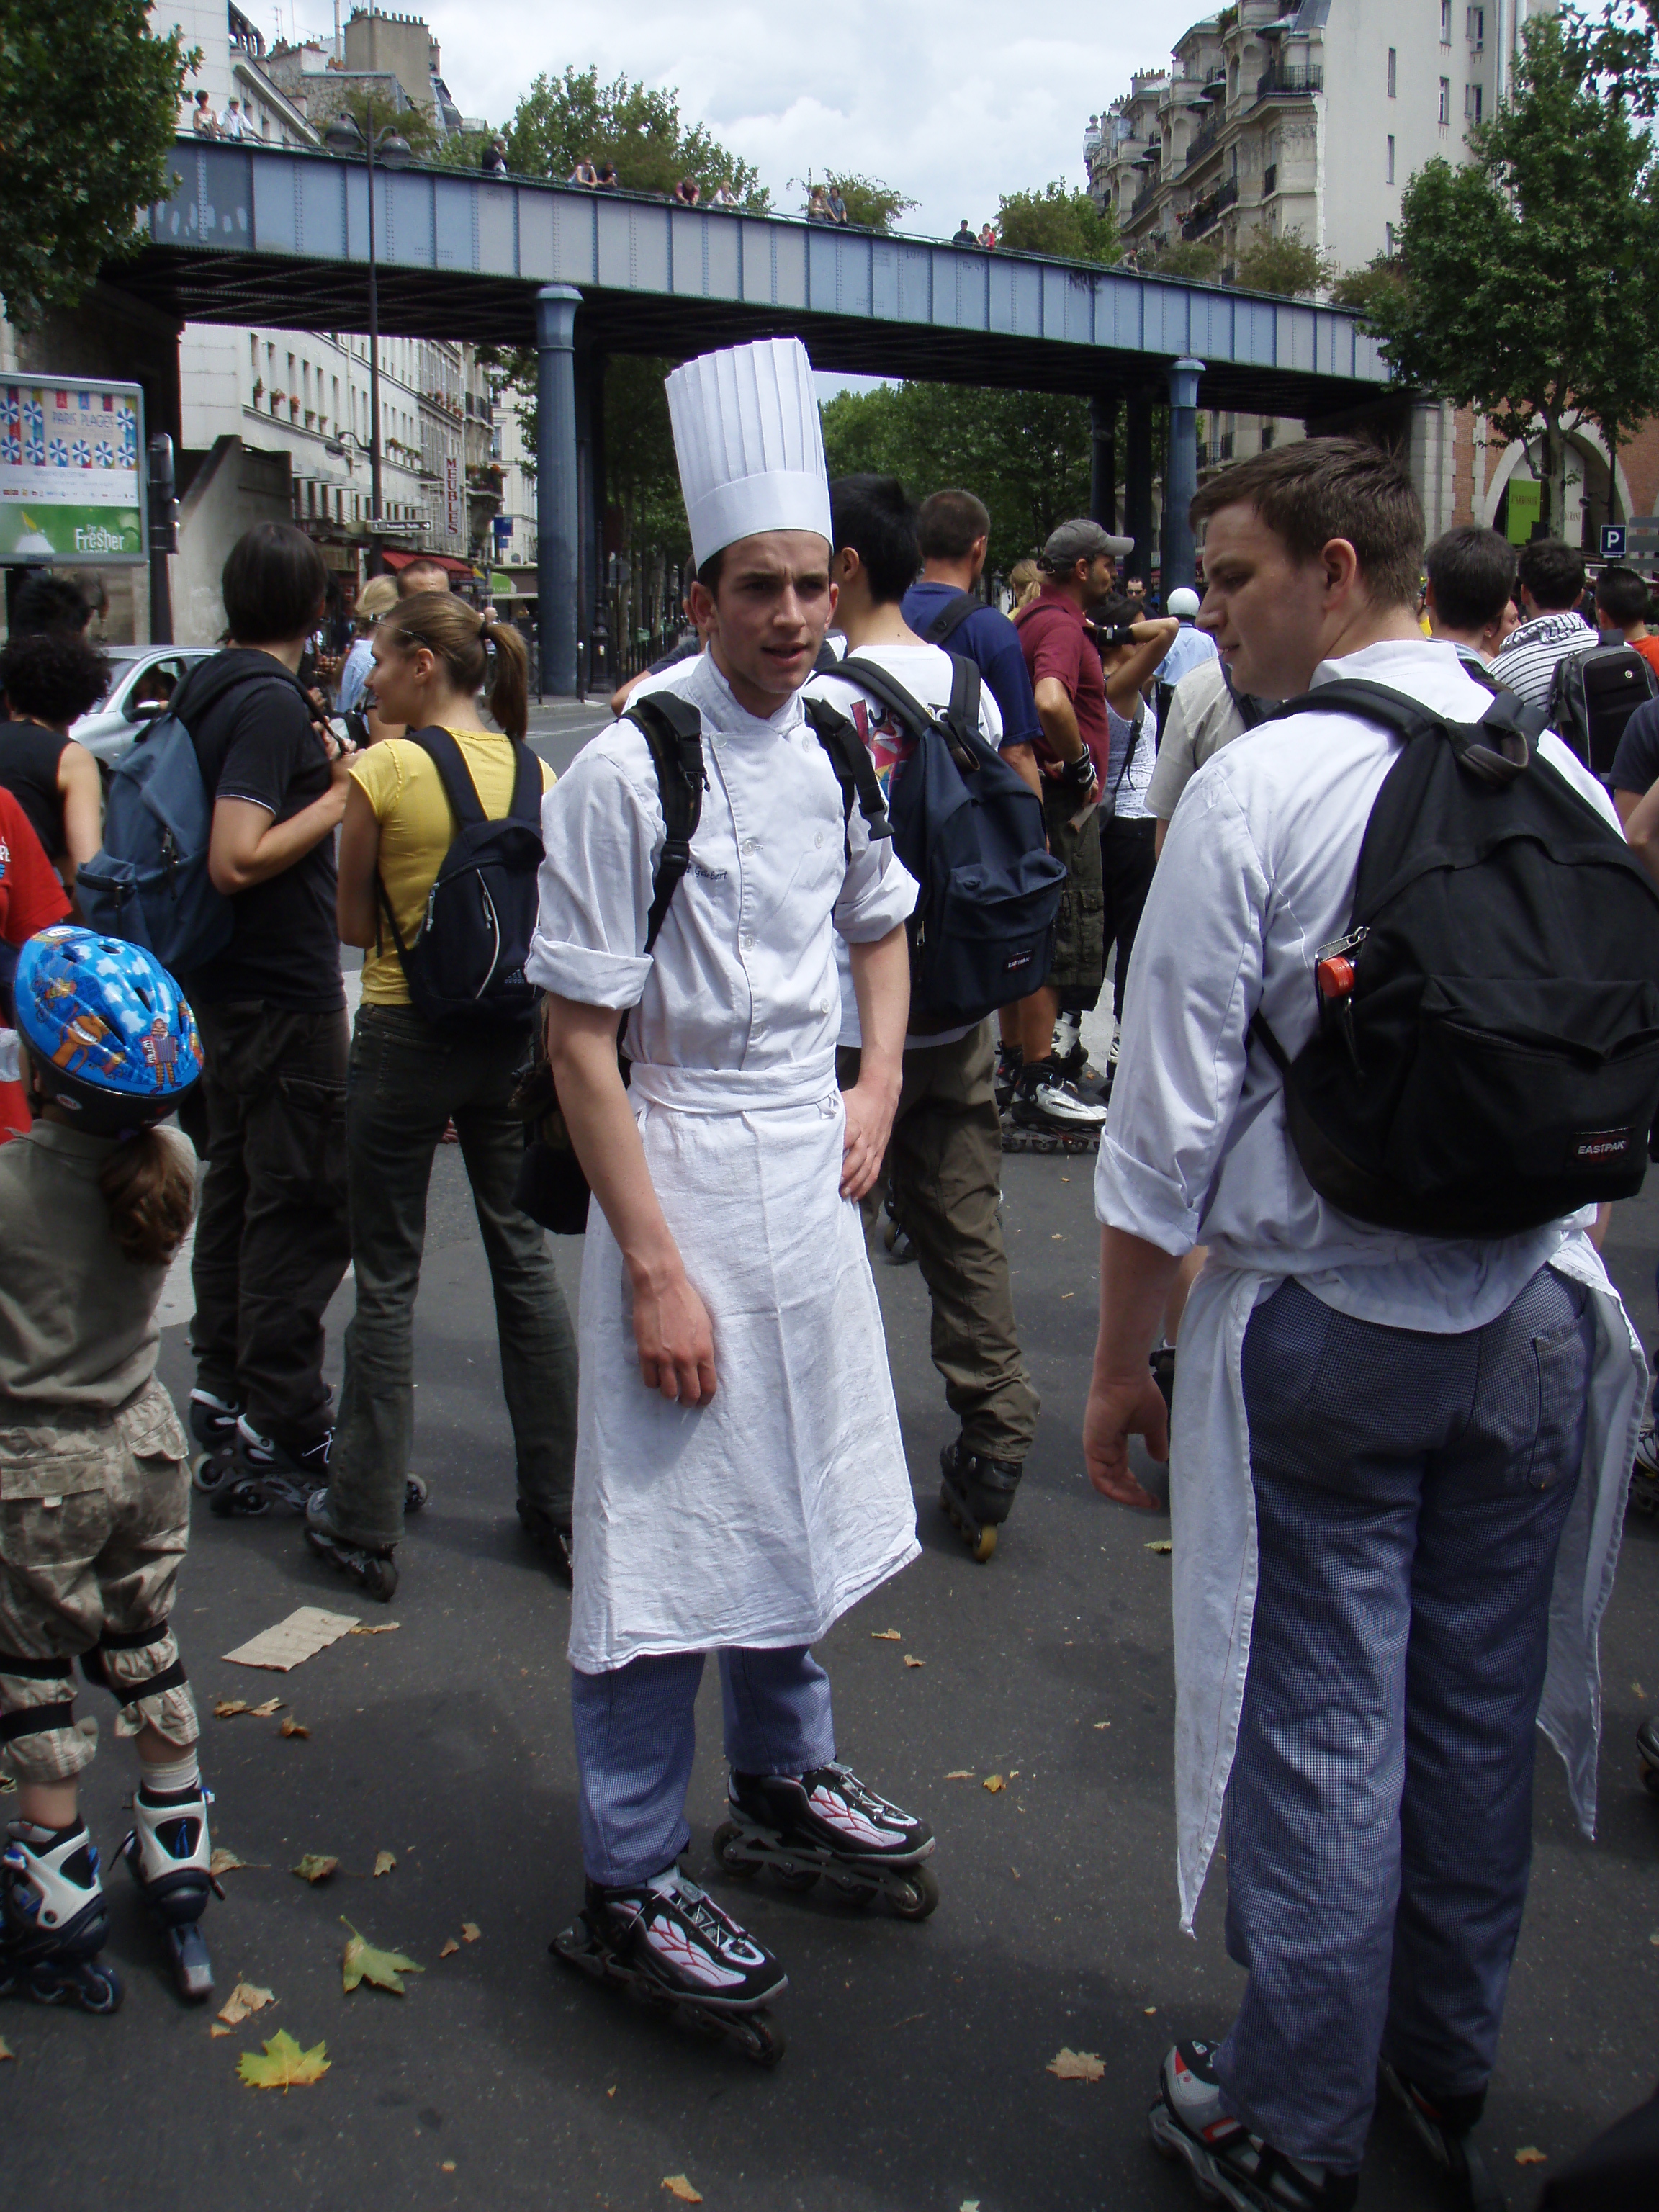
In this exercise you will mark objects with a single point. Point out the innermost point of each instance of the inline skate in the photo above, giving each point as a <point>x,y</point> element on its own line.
<point>551,1538</point>
<point>370,1566</point>
<point>53,1919</point>
<point>213,1430</point>
<point>1647,1751</point>
<point>1644,1472</point>
<point>977,1495</point>
<point>168,1854</point>
<point>674,1950</point>
<point>1445,2127</point>
<point>827,1824</point>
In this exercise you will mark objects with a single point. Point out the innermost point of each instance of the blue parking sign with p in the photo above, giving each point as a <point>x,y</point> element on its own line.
<point>1613,541</point>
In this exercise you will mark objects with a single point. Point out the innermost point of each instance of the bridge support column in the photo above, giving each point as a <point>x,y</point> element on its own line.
<point>1103,459</point>
<point>1137,485</point>
<point>557,541</point>
<point>1180,475</point>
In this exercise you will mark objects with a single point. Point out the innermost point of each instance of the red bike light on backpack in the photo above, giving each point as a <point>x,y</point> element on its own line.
<point>1335,977</point>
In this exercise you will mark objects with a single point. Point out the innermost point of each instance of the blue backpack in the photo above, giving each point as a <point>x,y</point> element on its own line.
<point>971,832</point>
<point>149,883</point>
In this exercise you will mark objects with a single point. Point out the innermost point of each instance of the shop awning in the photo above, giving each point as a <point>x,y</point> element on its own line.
<point>394,560</point>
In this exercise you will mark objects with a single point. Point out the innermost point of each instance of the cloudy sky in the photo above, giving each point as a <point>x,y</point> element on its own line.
<point>952,105</point>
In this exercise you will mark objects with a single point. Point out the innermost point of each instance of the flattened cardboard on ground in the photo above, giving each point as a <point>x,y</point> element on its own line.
<point>305,1633</point>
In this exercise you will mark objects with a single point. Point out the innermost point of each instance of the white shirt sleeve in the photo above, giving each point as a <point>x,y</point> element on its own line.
<point>600,838</point>
<point>878,892</point>
<point>1194,985</point>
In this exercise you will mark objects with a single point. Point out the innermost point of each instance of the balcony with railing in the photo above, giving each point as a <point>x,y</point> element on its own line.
<point>1210,210</point>
<point>1280,81</point>
<point>1205,137</point>
<point>1144,198</point>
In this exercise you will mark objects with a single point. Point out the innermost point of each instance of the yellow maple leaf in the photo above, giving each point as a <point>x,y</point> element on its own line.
<point>315,1866</point>
<point>284,2065</point>
<point>384,1863</point>
<point>1076,2066</point>
<point>224,1862</point>
<point>678,2186</point>
<point>363,1963</point>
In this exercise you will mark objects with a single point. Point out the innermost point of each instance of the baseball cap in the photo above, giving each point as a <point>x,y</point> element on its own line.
<point>1183,602</point>
<point>1081,540</point>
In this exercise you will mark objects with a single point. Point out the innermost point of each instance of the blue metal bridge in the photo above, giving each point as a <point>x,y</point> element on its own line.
<point>269,235</point>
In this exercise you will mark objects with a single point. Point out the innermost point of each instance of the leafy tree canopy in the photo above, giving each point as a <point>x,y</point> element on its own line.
<point>1059,221</point>
<point>371,108</point>
<point>561,118</point>
<point>1024,453</point>
<point>1286,265</point>
<point>1196,258</point>
<point>89,102</point>
<point>1369,291</point>
<point>1524,283</point>
<point>871,206</point>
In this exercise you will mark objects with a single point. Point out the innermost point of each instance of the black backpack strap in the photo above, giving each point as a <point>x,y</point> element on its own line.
<point>870,676</point>
<point>962,712</point>
<point>672,728</point>
<point>446,756</point>
<point>949,618</point>
<point>1498,747</point>
<point>854,771</point>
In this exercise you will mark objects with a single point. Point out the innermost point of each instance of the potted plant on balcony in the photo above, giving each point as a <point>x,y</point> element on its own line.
<point>259,390</point>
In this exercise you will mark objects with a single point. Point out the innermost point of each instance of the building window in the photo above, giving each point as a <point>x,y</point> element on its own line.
<point>1394,71</point>
<point>1472,102</point>
<point>1270,180</point>
<point>1445,99</point>
<point>1446,22</point>
<point>1390,157</point>
<point>1477,27</point>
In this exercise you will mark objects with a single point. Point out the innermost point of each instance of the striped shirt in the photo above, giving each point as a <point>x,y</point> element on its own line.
<point>1527,663</point>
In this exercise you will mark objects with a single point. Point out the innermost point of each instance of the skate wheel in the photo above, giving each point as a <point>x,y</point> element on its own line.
<point>237,1501</point>
<point>379,1579</point>
<point>759,2036</point>
<point>798,1880</point>
<point>209,1470</point>
<point>918,1895</point>
<point>858,1889</point>
<point>728,1848</point>
<point>1650,1779</point>
<point>986,1545</point>
<point>415,1493</point>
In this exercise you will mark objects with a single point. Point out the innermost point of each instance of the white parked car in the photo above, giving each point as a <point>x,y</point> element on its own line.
<point>142,680</point>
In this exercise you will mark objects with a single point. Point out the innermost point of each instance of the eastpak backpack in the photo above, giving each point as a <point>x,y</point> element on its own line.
<point>1487,1052</point>
<point>971,832</point>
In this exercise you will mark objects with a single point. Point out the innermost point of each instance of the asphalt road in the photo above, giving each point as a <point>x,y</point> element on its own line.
<point>915,2078</point>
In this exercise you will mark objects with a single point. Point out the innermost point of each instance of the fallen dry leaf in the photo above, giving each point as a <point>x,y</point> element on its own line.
<point>228,1708</point>
<point>909,1661</point>
<point>1076,2066</point>
<point>1100,1724</point>
<point>264,1711</point>
<point>994,1783</point>
<point>293,1727</point>
<point>374,1628</point>
<point>384,1863</point>
<point>315,1867</point>
<point>1529,2154</point>
<point>246,1997</point>
<point>884,1635</point>
<point>450,1948</point>
<point>1162,1544</point>
<point>363,1963</point>
<point>678,2186</point>
<point>284,2065</point>
<point>6,2051</point>
<point>470,1931</point>
<point>224,1862</point>
<point>960,1774</point>
<point>445,2165</point>
<point>216,2030</point>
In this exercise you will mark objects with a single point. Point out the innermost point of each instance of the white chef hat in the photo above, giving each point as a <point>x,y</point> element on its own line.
<point>747,439</point>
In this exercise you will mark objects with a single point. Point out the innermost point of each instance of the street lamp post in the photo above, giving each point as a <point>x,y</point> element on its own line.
<point>344,137</point>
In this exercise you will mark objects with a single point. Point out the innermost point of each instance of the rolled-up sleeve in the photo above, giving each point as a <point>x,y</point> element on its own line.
<point>877,891</point>
<point>600,837</point>
<point>1194,983</point>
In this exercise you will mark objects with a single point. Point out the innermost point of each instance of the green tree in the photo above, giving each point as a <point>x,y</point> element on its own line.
<point>871,206</point>
<point>561,118</point>
<point>1024,453</point>
<point>1368,292</point>
<point>1060,221</point>
<point>1286,265</point>
<point>1524,283</point>
<point>89,102</point>
<point>370,108</point>
<point>1198,259</point>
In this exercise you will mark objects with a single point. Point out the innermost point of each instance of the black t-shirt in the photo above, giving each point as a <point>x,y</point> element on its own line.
<point>260,744</point>
<point>1636,763</point>
<point>28,769</point>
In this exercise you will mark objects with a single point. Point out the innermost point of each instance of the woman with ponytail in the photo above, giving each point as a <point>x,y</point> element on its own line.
<point>94,1472</point>
<point>433,654</point>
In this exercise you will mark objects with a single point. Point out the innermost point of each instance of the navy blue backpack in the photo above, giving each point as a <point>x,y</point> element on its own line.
<point>971,831</point>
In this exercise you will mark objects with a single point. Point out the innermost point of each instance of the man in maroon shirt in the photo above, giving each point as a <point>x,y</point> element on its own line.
<point>1079,569</point>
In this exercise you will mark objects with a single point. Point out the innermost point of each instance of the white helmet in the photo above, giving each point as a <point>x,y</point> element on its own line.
<point>1183,602</point>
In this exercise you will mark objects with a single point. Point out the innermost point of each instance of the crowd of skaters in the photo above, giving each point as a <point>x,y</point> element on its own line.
<point>734,1489</point>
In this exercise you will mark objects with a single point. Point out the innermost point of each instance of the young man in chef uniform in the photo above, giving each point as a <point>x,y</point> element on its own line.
<point>741,1480</point>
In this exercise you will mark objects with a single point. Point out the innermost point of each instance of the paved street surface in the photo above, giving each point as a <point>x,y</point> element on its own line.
<point>915,2077</point>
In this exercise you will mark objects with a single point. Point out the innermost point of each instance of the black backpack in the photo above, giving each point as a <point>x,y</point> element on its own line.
<point>971,832</point>
<point>1487,1053</point>
<point>1592,695</point>
<point>467,966</point>
<point>950,617</point>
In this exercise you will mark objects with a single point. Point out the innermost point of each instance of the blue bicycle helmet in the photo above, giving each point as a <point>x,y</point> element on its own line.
<point>111,1036</point>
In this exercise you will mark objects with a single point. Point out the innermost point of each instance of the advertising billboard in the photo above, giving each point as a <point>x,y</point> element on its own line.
<point>72,485</point>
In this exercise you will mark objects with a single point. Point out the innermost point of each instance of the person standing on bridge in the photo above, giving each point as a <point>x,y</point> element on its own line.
<point>740,1477</point>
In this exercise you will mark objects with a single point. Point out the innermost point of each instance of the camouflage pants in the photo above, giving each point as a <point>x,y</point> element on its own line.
<point>95,1521</point>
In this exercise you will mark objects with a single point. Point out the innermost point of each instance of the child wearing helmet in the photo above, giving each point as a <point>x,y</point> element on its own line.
<point>95,1485</point>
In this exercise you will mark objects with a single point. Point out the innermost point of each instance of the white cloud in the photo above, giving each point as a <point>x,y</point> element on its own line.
<point>951,106</point>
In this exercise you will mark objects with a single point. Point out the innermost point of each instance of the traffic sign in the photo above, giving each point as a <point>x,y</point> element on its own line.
<point>1613,541</point>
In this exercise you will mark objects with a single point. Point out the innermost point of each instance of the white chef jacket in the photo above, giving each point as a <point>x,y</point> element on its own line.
<point>759,1517</point>
<point>1257,872</point>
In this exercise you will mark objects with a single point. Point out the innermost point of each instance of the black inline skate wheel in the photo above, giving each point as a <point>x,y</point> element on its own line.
<point>728,1849</point>
<point>210,1470</point>
<point>379,1579</point>
<point>238,1500</point>
<point>798,1880</point>
<point>1650,1779</point>
<point>759,2036</point>
<point>91,1987</point>
<point>415,1493</point>
<point>918,1897</point>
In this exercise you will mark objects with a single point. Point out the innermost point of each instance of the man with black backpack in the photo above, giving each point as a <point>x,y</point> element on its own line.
<point>1376,1054</point>
<point>944,1156</point>
<point>1550,579</point>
